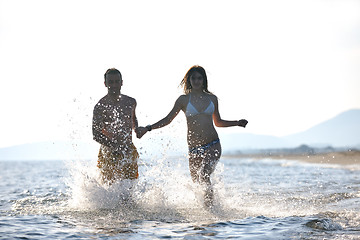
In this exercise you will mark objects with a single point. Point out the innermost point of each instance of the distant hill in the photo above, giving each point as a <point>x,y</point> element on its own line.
<point>234,142</point>
<point>340,131</point>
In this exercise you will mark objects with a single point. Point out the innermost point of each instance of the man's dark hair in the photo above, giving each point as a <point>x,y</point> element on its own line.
<point>111,71</point>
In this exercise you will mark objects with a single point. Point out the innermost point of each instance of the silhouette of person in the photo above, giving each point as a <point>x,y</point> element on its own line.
<point>201,110</point>
<point>114,119</point>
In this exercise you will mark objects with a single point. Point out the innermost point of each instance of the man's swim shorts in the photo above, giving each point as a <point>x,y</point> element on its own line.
<point>116,166</point>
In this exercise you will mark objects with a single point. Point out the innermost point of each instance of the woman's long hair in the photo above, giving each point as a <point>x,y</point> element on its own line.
<point>185,83</point>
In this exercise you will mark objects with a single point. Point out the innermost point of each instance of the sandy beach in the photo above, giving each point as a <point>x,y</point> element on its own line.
<point>343,158</point>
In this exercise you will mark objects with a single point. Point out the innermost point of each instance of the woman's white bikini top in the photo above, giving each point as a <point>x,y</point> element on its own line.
<point>191,110</point>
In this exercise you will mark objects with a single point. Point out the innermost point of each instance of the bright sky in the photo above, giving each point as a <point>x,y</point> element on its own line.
<point>283,65</point>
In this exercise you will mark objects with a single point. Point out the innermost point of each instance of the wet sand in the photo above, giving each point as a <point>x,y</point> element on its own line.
<point>343,158</point>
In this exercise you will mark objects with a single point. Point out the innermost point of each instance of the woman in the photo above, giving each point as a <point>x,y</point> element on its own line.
<point>201,110</point>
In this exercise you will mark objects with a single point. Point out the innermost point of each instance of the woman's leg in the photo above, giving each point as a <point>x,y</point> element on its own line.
<point>195,163</point>
<point>202,166</point>
<point>209,163</point>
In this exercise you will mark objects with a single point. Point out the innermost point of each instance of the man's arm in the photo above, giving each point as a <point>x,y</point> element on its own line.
<point>134,119</point>
<point>98,128</point>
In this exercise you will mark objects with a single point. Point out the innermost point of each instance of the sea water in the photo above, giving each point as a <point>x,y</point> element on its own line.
<point>254,199</point>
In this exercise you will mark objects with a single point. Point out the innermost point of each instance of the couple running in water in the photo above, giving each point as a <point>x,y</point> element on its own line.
<point>114,118</point>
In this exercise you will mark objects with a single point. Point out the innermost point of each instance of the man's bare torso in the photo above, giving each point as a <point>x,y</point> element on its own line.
<point>115,118</point>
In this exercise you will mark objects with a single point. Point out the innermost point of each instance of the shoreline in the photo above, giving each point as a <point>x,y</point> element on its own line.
<point>341,158</point>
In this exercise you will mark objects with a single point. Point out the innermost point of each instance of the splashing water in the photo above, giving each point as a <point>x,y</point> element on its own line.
<point>159,187</point>
<point>262,199</point>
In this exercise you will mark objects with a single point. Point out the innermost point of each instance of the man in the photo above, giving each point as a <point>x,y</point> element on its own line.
<point>113,121</point>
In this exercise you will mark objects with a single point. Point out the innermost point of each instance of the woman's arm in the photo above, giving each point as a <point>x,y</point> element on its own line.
<point>225,123</point>
<point>165,121</point>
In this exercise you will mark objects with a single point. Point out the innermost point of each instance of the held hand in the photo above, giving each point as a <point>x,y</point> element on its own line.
<point>140,131</point>
<point>242,123</point>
